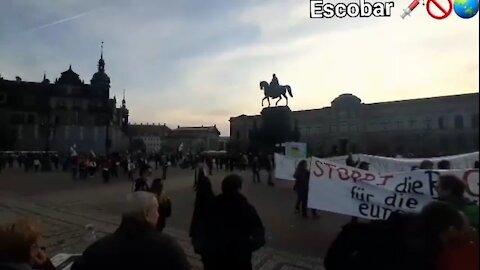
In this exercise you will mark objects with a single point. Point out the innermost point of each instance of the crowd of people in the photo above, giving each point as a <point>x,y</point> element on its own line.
<point>226,229</point>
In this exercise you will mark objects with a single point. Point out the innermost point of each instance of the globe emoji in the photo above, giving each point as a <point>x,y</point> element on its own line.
<point>466,8</point>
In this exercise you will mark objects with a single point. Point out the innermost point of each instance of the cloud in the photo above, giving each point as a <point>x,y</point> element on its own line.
<point>186,63</point>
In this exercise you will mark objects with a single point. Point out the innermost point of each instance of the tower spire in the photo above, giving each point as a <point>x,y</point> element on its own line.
<point>101,62</point>
<point>124,102</point>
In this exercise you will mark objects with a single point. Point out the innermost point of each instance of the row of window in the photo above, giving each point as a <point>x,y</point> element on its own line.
<point>67,133</point>
<point>151,139</point>
<point>397,125</point>
<point>72,119</point>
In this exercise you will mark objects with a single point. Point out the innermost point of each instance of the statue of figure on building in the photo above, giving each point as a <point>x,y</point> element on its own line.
<point>275,90</point>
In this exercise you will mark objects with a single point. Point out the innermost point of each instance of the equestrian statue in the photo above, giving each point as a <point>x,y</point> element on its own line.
<point>275,90</point>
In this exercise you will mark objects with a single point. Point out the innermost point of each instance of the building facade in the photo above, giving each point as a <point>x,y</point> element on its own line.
<point>54,116</point>
<point>420,127</point>
<point>160,138</point>
<point>154,136</point>
<point>194,139</point>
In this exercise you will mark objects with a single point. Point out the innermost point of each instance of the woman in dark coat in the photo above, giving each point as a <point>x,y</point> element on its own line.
<point>203,202</point>
<point>302,179</point>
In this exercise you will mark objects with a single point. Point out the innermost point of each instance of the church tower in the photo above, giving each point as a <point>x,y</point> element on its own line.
<point>124,113</point>
<point>100,80</point>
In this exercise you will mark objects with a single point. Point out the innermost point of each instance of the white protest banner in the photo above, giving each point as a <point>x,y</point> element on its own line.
<point>285,166</point>
<point>346,190</point>
<point>388,165</point>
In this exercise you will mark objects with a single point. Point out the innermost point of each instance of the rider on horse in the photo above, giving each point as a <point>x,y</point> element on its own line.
<point>274,82</point>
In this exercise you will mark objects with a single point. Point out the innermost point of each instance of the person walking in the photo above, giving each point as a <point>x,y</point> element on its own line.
<point>233,230</point>
<point>302,179</point>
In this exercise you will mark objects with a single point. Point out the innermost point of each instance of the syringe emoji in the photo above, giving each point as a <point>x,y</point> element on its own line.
<point>410,8</point>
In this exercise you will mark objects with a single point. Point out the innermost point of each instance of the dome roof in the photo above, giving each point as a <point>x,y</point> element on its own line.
<point>100,78</point>
<point>69,77</point>
<point>346,100</point>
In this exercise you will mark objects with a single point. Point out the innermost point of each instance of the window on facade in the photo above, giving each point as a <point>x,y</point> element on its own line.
<point>441,123</point>
<point>412,124</point>
<point>459,122</point>
<point>428,123</point>
<point>385,126</point>
<point>17,118</point>
<point>398,125</point>
<point>28,100</point>
<point>475,121</point>
<point>60,104</point>
<point>3,98</point>
<point>31,119</point>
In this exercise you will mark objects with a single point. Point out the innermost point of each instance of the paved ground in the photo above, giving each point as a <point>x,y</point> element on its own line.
<point>65,206</point>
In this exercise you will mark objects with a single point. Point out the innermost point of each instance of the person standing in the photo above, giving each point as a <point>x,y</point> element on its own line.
<point>165,165</point>
<point>164,203</point>
<point>135,244</point>
<point>268,165</point>
<point>130,169</point>
<point>302,179</point>
<point>234,229</point>
<point>203,206</point>
<point>106,170</point>
<point>209,160</point>
<point>256,170</point>
<point>36,163</point>
<point>141,184</point>
<point>200,168</point>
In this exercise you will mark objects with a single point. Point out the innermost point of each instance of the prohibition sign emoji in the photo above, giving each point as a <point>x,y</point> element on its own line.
<point>444,12</point>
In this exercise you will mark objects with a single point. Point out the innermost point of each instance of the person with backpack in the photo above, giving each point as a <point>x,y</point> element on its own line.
<point>451,189</point>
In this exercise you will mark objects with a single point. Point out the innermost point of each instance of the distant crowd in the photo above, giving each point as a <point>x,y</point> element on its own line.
<point>225,229</point>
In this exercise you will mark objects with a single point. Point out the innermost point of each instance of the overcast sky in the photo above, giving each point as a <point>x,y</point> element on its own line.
<point>190,62</point>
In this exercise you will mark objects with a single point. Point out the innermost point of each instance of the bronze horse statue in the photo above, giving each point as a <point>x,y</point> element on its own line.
<point>275,92</point>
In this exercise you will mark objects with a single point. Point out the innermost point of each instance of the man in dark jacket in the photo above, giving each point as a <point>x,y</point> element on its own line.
<point>234,229</point>
<point>136,244</point>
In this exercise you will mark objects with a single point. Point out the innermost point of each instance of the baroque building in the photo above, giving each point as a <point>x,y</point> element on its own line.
<point>160,138</point>
<point>420,127</point>
<point>39,116</point>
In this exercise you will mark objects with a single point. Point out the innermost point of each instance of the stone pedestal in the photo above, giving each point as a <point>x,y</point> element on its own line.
<point>276,125</point>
